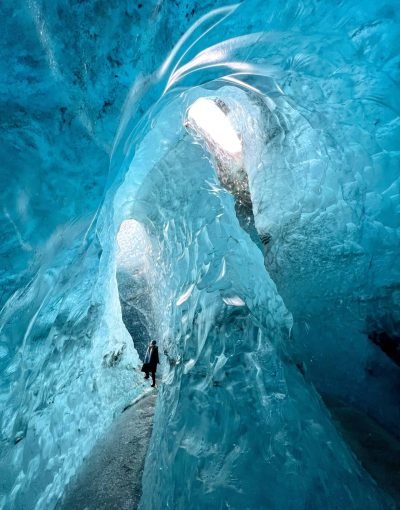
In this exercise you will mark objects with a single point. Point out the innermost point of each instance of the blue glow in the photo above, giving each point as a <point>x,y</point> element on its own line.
<point>272,273</point>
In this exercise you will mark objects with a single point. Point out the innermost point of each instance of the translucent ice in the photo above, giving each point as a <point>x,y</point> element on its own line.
<point>270,263</point>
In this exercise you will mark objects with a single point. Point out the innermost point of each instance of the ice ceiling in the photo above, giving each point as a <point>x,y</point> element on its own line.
<point>272,271</point>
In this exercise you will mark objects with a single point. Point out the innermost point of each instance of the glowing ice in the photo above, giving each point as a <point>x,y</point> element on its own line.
<point>209,119</point>
<point>185,296</point>
<point>312,96</point>
<point>234,301</point>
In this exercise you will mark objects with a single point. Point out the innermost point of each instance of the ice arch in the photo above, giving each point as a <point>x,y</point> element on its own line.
<point>321,83</point>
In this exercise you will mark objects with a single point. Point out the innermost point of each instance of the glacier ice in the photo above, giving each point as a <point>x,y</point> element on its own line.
<point>268,275</point>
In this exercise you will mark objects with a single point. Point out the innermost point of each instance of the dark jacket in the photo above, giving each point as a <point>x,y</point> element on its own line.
<point>154,358</point>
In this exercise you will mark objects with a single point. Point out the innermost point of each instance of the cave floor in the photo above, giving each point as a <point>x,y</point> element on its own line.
<point>111,477</point>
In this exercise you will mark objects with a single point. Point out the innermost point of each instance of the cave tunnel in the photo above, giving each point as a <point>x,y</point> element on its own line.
<point>223,178</point>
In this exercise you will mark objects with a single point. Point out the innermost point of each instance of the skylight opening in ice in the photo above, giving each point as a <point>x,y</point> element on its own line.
<point>208,119</point>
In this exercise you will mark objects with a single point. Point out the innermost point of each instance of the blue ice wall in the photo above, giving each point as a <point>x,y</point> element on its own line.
<point>66,359</point>
<point>93,100</point>
<point>236,424</point>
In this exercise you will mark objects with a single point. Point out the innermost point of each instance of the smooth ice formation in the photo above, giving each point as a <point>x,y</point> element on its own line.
<point>263,255</point>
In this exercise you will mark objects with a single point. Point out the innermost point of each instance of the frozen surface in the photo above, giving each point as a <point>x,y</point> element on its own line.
<point>265,271</point>
<point>236,424</point>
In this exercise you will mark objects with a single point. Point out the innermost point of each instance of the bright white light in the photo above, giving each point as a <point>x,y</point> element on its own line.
<point>205,116</point>
<point>133,245</point>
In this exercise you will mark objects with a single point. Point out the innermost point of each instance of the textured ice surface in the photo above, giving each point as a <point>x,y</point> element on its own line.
<point>94,101</point>
<point>236,426</point>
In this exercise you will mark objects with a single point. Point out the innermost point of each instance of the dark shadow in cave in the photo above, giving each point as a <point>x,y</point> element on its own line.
<point>376,449</point>
<point>388,342</point>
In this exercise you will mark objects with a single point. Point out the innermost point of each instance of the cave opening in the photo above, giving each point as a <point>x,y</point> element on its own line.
<point>133,260</point>
<point>209,118</point>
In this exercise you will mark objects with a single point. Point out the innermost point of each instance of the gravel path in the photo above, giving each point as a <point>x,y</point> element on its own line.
<point>111,477</point>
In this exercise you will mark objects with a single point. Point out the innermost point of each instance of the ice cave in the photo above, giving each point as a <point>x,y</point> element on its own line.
<point>224,178</point>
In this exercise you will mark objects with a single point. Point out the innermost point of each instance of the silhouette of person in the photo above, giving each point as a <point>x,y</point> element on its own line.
<point>151,360</point>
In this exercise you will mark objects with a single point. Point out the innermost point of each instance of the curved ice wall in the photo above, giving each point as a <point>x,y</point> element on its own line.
<point>315,88</point>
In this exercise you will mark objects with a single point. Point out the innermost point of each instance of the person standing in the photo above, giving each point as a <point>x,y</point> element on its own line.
<point>151,360</point>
